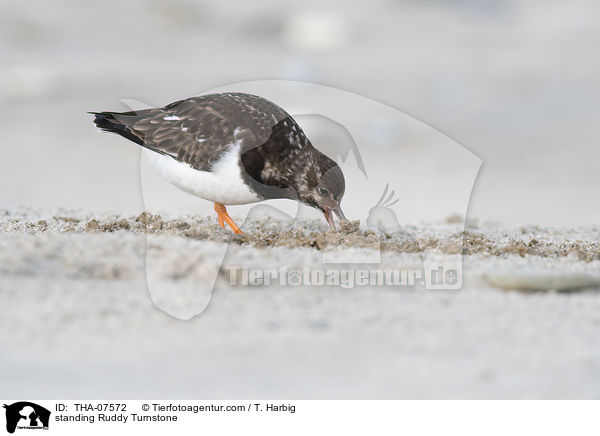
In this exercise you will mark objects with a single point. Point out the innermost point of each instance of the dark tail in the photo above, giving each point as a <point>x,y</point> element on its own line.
<point>109,123</point>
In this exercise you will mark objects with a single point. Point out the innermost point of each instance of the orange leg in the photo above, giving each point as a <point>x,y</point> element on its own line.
<point>225,218</point>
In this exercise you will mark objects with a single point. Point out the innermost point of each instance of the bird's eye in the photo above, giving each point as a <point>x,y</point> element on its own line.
<point>323,191</point>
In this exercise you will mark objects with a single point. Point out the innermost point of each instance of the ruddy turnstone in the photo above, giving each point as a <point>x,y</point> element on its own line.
<point>232,148</point>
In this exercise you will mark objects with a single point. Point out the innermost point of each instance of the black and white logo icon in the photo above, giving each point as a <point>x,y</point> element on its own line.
<point>26,415</point>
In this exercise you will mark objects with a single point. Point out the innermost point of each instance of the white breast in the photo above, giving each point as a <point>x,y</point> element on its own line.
<point>223,184</point>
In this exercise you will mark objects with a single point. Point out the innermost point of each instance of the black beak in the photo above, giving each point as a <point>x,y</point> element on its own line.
<point>339,213</point>
<point>329,215</point>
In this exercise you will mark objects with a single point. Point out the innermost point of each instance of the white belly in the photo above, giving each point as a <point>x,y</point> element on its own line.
<point>222,185</point>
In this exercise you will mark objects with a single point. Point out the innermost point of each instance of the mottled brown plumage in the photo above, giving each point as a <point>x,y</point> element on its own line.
<point>276,158</point>
<point>198,130</point>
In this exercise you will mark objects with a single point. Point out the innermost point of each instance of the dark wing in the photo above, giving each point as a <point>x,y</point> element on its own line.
<point>198,130</point>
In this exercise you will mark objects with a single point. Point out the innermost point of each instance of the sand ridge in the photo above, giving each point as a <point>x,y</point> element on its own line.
<point>447,236</point>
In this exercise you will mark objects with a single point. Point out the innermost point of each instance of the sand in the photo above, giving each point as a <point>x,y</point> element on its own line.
<point>78,320</point>
<point>448,237</point>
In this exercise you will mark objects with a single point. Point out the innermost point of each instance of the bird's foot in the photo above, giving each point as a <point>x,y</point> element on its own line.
<point>225,218</point>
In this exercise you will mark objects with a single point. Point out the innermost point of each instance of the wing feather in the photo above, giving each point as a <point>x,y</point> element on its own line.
<point>199,130</point>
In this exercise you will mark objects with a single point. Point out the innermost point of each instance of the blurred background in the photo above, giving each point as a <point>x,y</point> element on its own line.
<point>516,82</point>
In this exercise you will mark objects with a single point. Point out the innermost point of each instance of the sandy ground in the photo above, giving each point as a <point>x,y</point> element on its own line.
<point>515,82</point>
<point>78,321</point>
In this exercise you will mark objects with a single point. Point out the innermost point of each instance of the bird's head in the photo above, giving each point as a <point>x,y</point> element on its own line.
<point>325,189</point>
